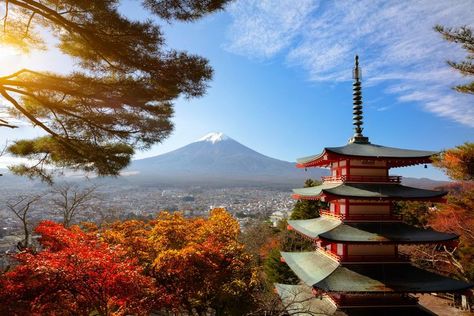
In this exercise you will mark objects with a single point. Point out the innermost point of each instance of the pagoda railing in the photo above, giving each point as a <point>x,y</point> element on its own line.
<point>354,178</point>
<point>386,299</point>
<point>329,253</point>
<point>328,213</point>
<point>376,258</point>
<point>365,258</point>
<point>362,217</point>
<point>367,217</point>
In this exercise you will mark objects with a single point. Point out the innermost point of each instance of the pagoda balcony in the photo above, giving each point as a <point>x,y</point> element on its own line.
<point>356,178</point>
<point>399,258</point>
<point>374,300</point>
<point>375,258</point>
<point>362,217</point>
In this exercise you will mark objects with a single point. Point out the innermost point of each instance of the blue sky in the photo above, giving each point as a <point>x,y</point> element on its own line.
<point>282,82</point>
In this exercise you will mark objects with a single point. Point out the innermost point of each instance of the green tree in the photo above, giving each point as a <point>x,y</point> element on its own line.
<point>119,96</point>
<point>306,209</point>
<point>413,212</point>
<point>277,271</point>
<point>463,36</point>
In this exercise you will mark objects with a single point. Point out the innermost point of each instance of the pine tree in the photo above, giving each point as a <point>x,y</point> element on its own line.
<point>463,36</point>
<point>306,209</point>
<point>119,97</point>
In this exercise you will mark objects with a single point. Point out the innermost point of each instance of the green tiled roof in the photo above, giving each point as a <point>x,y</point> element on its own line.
<point>311,267</point>
<point>315,226</point>
<point>299,300</point>
<point>332,229</point>
<point>318,270</point>
<point>371,150</point>
<point>388,278</point>
<point>369,190</point>
<point>385,232</point>
<point>388,311</point>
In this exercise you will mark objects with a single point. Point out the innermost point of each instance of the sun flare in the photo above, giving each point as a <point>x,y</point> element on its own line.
<point>11,59</point>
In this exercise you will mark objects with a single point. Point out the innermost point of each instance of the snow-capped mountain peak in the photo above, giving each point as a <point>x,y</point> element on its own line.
<point>213,137</point>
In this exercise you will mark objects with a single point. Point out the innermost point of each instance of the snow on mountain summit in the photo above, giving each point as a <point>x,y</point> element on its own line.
<point>213,137</point>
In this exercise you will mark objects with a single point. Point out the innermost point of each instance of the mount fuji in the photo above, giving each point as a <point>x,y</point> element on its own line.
<point>219,158</point>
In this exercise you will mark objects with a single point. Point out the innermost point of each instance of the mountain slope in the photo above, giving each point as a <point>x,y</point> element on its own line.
<point>216,156</point>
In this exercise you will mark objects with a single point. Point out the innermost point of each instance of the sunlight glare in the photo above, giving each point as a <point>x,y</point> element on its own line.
<point>11,60</point>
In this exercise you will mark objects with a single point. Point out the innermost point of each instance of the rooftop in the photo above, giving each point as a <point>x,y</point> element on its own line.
<point>334,230</point>
<point>395,156</point>
<point>366,190</point>
<point>320,271</point>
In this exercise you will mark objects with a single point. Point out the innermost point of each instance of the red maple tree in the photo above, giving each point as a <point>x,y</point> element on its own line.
<point>75,274</point>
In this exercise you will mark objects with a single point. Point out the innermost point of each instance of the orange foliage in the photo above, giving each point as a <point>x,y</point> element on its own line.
<point>273,243</point>
<point>134,267</point>
<point>74,274</point>
<point>457,216</point>
<point>458,162</point>
<point>197,262</point>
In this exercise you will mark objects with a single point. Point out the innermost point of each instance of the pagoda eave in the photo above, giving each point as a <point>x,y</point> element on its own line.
<point>386,242</point>
<point>331,197</point>
<point>325,273</point>
<point>301,300</point>
<point>331,230</point>
<point>395,157</point>
<point>304,300</point>
<point>391,162</point>
<point>367,191</point>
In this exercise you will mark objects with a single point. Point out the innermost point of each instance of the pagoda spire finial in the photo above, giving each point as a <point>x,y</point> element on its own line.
<point>357,106</point>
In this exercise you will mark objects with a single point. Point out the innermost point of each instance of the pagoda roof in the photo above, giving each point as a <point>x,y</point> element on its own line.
<point>320,271</point>
<point>314,227</point>
<point>310,267</point>
<point>366,190</point>
<point>300,300</point>
<point>398,156</point>
<point>416,310</point>
<point>334,230</point>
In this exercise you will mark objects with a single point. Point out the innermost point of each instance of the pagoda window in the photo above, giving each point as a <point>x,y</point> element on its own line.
<point>340,250</point>
<point>342,209</point>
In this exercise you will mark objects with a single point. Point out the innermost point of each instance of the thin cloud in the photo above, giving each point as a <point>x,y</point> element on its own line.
<point>395,39</point>
<point>272,29</point>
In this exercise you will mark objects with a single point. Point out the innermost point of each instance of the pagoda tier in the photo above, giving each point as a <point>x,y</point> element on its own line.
<point>332,230</point>
<point>303,300</point>
<point>366,191</point>
<point>320,271</point>
<point>417,310</point>
<point>368,153</point>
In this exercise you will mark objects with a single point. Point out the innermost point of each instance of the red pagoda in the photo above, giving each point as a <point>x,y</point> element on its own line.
<point>356,268</point>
